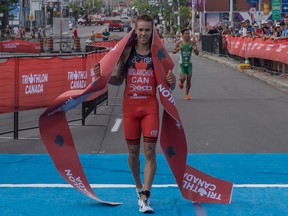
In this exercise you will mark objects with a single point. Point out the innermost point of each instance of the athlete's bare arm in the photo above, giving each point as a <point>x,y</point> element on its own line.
<point>171,79</point>
<point>118,79</point>
<point>195,49</point>
<point>177,48</point>
<point>114,80</point>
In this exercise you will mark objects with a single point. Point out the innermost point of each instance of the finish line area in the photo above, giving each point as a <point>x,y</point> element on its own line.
<point>30,185</point>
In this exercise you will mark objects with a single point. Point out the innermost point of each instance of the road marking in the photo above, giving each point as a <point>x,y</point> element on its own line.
<point>116,125</point>
<point>131,186</point>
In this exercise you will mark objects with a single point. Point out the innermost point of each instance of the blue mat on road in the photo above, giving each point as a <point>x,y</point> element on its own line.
<point>30,185</point>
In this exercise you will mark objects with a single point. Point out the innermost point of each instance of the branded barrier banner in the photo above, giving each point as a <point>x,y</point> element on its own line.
<point>56,135</point>
<point>8,86</point>
<point>20,46</point>
<point>257,48</point>
<point>30,83</point>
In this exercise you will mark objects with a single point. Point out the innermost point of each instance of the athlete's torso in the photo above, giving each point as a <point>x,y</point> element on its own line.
<point>140,78</point>
<point>185,55</point>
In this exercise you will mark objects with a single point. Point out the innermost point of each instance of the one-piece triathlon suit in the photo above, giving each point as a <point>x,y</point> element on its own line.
<point>185,62</point>
<point>140,105</point>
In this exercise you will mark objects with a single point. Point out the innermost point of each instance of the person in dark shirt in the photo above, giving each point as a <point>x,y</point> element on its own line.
<point>213,30</point>
<point>105,35</point>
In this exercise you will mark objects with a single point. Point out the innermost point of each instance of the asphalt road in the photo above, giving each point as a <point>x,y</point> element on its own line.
<point>230,112</point>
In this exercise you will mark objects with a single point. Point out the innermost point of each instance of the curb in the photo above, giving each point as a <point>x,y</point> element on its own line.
<point>276,81</point>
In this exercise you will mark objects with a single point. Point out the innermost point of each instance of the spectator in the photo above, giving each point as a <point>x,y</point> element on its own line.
<point>226,30</point>
<point>105,35</point>
<point>159,33</point>
<point>129,28</point>
<point>243,30</point>
<point>214,30</point>
<point>33,32</point>
<point>275,31</point>
<point>74,36</point>
<point>250,28</point>
<point>8,31</point>
<point>269,24</point>
<point>258,32</point>
<point>283,31</point>
<point>16,31</point>
<point>92,35</point>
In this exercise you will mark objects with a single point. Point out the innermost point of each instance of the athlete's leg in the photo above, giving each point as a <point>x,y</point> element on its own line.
<point>150,129</point>
<point>182,76</point>
<point>188,82</point>
<point>188,85</point>
<point>132,132</point>
<point>150,165</point>
<point>134,164</point>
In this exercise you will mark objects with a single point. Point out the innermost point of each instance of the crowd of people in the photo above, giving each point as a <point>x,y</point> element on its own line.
<point>20,32</point>
<point>266,29</point>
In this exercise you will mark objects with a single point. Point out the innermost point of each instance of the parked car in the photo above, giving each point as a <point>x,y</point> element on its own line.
<point>116,25</point>
<point>82,21</point>
<point>103,16</point>
<point>96,20</point>
<point>125,20</point>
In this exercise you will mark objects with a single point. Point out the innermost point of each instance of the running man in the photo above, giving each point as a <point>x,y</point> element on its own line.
<point>185,63</point>
<point>140,105</point>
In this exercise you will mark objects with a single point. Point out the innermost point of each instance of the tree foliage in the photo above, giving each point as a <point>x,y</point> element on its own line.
<point>167,11</point>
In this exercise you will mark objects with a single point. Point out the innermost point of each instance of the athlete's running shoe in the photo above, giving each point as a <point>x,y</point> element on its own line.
<point>187,97</point>
<point>139,194</point>
<point>180,85</point>
<point>145,206</point>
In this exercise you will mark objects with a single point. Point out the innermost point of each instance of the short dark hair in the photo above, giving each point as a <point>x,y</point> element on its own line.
<point>183,30</point>
<point>145,17</point>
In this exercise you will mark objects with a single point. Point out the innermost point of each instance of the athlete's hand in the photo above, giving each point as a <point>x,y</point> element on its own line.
<point>97,70</point>
<point>176,49</point>
<point>171,79</point>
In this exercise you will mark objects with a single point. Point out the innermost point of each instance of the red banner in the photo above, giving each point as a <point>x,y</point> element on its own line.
<point>257,48</point>
<point>8,86</point>
<point>29,83</point>
<point>55,131</point>
<point>194,185</point>
<point>109,44</point>
<point>20,46</point>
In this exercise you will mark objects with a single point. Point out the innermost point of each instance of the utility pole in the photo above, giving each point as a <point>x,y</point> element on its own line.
<point>193,18</point>
<point>231,14</point>
<point>178,18</point>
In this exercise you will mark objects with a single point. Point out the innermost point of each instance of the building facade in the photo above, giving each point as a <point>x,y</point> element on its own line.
<point>219,12</point>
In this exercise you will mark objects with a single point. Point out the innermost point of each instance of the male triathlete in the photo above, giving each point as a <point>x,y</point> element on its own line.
<point>185,63</point>
<point>140,105</point>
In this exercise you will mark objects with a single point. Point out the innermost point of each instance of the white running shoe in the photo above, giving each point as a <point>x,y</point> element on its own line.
<point>144,206</point>
<point>139,194</point>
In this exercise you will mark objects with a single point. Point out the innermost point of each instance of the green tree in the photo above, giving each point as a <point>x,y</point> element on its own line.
<point>88,5</point>
<point>75,9</point>
<point>168,12</point>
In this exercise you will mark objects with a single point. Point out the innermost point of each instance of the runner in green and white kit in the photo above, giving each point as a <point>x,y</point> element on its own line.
<point>186,46</point>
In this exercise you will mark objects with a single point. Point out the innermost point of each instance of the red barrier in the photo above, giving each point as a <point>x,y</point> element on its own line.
<point>249,48</point>
<point>20,46</point>
<point>109,44</point>
<point>30,83</point>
